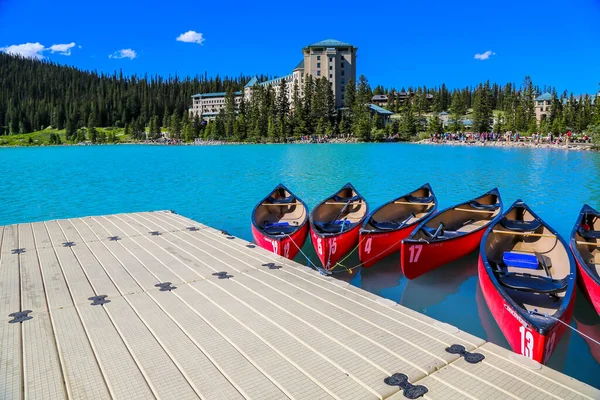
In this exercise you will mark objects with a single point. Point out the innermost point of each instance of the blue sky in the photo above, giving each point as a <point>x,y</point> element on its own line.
<point>400,43</point>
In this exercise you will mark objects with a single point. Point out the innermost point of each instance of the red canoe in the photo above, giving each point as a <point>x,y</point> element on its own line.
<point>335,223</point>
<point>383,231</point>
<point>449,234</point>
<point>279,222</point>
<point>585,245</point>
<point>527,276</point>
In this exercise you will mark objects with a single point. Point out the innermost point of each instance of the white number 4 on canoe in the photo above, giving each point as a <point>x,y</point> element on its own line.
<point>415,252</point>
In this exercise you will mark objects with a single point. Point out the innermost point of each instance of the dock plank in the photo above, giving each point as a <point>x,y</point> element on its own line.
<point>121,372</point>
<point>42,373</point>
<point>10,301</point>
<point>242,372</point>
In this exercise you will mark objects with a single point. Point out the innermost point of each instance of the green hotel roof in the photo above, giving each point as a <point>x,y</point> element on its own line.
<point>545,96</point>
<point>380,110</point>
<point>216,94</point>
<point>300,65</point>
<point>330,43</point>
<point>252,82</point>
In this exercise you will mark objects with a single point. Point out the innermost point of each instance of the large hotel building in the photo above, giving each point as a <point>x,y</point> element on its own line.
<point>331,59</point>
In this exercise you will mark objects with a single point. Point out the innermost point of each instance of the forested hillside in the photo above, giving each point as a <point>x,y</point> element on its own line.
<point>38,94</point>
<point>35,94</point>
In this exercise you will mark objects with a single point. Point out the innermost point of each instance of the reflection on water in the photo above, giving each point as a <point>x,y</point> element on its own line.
<point>219,186</point>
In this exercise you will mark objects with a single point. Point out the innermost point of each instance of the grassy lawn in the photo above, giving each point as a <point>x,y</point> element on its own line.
<point>43,137</point>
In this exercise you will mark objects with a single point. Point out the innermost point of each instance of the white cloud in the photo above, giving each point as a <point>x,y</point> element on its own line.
<point>35,50</point>
<point>484,56</point>
<point>29,50</point>
<point>191,37</point>
<point>124,53</point>
<point>64,49</point>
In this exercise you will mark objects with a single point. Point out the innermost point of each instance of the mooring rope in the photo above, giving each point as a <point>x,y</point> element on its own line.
<point>324,271</point>
<point>564,323</point>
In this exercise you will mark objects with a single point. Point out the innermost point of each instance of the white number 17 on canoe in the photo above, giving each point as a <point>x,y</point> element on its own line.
<point>415,252</point>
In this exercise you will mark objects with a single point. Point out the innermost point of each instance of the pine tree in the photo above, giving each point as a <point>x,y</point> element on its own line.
<point>482,111</point>
<point>228,112</point>
<point>361,114</point>
<point>282,109</point>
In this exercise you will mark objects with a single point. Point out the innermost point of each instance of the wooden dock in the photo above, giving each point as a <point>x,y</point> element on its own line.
<point>155,305</point>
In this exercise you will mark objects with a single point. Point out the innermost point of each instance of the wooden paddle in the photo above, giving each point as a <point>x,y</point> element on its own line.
<point>524,234</point>
<point>281,204</point>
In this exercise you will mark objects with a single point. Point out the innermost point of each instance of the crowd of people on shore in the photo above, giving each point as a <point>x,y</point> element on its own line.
<point>516,137</point>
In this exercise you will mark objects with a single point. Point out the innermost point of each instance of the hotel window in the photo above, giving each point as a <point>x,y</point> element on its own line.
<point>318,65</point>
<point>342,73</point>
<point>330,76</point>
<point>318,57</point>
<point>330,59</point>
<point>318,73</point>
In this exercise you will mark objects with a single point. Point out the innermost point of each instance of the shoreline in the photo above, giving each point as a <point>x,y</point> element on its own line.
<point>560,146</point>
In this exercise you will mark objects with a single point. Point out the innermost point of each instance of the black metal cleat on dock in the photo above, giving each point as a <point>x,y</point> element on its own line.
<point>223,275</point>
<point>17,251</point>
<point>166,286</point>
<point>272,266</point>
<point>99,300</point>
<point>192,228</point>
<point>20,316</point>
<point>114,238</point>
<point>471,358</point>
<point>409,390</point>
<point>155,233</point>
<point>68,244</point>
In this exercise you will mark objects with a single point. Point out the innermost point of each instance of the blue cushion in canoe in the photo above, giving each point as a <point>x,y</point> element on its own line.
<point>333,226</point>
<point>386,225</point>
<point>283,200</point>
<point>588,234</point>
<point>520,260</point>
<point>478,206</point>
<point>520,226</point>
<point>532,283</point>
<point>276,224</point>
<point>345,199</point>
<point>415,199</point>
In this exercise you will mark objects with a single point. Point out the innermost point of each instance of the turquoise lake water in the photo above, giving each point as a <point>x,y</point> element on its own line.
<point>219,186</point>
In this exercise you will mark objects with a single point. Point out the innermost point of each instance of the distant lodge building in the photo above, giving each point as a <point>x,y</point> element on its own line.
<point>543,104</point>
<point>331,59</point>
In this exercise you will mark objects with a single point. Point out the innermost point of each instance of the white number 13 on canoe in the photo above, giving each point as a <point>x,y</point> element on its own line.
<point>526,342</point>
<point>415,252</point>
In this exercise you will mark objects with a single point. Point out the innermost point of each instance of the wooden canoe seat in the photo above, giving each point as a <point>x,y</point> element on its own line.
<point>532,283</point>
